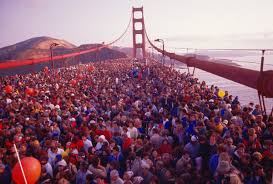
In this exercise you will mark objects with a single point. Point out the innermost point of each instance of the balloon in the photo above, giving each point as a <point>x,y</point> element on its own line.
<point>80,76</point>
<point>8,89</point>
<point>65,153</point>
<point>46,69</point>
<point>32,170</point>
<point>221,93</point>
<point>35,92</point>
<point>20,83</point>
<point>91,68</point>
<point>73,82</point>
<point>29,91</point>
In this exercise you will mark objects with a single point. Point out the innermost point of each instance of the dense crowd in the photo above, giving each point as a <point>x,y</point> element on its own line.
<point>122,121</point>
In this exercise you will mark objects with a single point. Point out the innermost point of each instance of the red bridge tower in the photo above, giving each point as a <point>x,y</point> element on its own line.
<point>138,32</point>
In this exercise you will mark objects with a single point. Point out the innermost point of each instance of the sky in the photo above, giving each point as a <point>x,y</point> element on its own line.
<point>181,23</point>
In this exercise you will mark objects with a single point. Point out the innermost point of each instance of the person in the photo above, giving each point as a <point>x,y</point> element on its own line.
<point>193,147</point>
<point>87,143</point>
<point>115,179</point>
<point>146,174</point>
<point>258,175</point>
<point>226,172</point>
<point>82,173</point>
<point>185,132</point>
<point>5,174</point>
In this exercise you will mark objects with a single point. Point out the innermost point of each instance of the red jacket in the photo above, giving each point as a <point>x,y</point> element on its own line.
<point>127,143</point>
<point>165,148</point>
<point>106,133</point>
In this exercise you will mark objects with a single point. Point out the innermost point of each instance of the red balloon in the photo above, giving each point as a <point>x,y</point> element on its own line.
<point>91,68</point>
<point>29,91</point>
<point>80,76</point>
<point>46,69</point>
<point>8,89</point>
<point>32,170</point>
<point>73,82</point>
<point>35,92</point>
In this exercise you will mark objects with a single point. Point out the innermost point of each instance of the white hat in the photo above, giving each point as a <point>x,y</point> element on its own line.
<point>57,107</point>
<point>92,122</point>
<point>225,122</point>
<point>72,119</point>
<point>75,152</point>
<point>51,106</point>
<point>102,137</point>
<point>193,138</point>
<point>233,118</point>
<point>114,173</point>
<point>62,163</point>
<point>211,100</point>
<point>9,101</point>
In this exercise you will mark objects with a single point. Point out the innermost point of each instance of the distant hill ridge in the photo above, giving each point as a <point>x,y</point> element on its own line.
<point>39,47</point>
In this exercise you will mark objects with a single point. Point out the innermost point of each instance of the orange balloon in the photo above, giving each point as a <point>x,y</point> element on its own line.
<point>8,89</point>
<point>29,91</point>
<point>73,82</point>
<point>32,170</point>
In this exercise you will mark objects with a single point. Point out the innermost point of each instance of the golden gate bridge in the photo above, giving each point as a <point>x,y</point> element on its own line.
<point>261,80</point>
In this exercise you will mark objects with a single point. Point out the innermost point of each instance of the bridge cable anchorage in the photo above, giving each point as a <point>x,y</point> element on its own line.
<point>247,77</point>
<point>17,63</point>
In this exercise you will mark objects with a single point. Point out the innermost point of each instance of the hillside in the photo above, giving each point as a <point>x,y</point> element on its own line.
<point>39,47</point>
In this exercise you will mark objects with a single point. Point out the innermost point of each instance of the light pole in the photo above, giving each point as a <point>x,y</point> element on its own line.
<point>163,54</point>
<point>51,53</point>
<point>151,52</point>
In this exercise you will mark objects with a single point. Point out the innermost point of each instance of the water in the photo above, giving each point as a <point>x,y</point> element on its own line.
<point>244,93</point>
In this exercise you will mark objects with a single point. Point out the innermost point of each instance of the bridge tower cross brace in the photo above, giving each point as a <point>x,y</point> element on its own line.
<point>138,32</point>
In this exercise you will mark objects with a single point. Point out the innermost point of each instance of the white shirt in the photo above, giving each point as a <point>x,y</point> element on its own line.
<point>133,132</point>
<point>87,144</point>
<point>52,156</point>
<point>49,169</point>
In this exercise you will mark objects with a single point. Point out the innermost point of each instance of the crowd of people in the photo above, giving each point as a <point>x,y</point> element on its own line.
<point>126,122</point>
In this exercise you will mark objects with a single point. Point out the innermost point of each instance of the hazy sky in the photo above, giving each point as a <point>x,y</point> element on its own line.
<point>182,23</point>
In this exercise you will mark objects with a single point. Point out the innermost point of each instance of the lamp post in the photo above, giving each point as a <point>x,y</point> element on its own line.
<point>163,54</point>
<point>152,52</point>
<point>51,53</point>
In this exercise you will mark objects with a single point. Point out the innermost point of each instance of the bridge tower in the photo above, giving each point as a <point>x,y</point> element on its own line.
<point>140,32</point>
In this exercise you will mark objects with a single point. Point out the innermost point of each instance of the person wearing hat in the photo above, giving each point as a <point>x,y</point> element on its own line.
<point>114,177</point>
<point>100,142</point>
<point>193,147</point>
<point>226,172</point>
<point>146,173</point>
